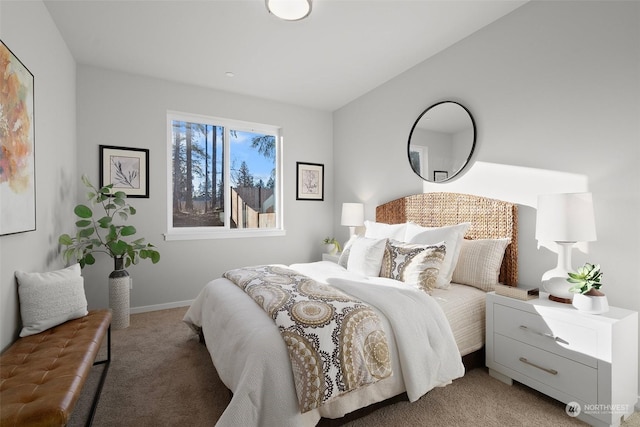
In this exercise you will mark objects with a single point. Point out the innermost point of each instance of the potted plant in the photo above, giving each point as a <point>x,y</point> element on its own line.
<point>106,232</point>
<point>331,245</point>
<point>586,286</point>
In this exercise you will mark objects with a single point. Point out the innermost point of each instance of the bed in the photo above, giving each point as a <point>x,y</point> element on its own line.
<point>253,360</point>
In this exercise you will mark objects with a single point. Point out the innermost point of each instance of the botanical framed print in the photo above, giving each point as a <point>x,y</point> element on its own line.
<point>440,175</point>
<point>17,151</point>
<point>310,181</point>
<point>126,168</point>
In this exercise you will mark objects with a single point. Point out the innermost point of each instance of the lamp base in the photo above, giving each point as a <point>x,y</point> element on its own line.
<point>560,300</point>
<point>555,281</point>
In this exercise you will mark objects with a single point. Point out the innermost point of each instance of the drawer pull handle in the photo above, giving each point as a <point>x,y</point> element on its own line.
<point>551,371</point>
<point>546,335</point>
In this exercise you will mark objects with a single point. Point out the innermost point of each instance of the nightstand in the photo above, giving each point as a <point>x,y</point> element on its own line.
<point>330,257</point>
<point>574,357</point>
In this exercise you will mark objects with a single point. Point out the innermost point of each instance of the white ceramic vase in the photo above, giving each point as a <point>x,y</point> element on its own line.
<point>591,304</point>
<point>330,248</point>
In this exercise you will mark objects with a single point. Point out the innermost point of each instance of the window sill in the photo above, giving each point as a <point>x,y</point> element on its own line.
<point>199,234</point>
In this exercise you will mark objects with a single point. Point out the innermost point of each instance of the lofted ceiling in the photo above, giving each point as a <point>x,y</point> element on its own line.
<point>344,49</point>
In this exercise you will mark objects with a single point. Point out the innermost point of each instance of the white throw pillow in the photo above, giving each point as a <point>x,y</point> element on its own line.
<point>366,256</point>
<point>380,230</point>
<point>49,299</point>
<point>479,263</point>
<point>346,250</point>
<point>412,263</point>
<point>451,235</point>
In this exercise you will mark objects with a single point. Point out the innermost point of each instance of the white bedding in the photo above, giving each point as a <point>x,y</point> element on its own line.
<point>465,308</point>
<point>252,360</point>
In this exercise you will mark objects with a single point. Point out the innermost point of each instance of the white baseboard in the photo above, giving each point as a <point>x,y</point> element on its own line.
<point>146,308</point>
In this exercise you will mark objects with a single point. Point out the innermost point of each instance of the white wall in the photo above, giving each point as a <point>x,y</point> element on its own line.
<point>554,88</point>
<point>127,110</point>
<point>27,29</point>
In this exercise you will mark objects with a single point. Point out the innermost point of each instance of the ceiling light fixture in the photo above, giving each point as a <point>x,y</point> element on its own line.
<point>289,10</point>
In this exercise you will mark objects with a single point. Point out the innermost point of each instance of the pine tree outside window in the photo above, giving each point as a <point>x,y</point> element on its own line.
<point>224,178</point>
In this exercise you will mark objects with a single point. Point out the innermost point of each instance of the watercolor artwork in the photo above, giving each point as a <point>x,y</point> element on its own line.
<point>17,146</point>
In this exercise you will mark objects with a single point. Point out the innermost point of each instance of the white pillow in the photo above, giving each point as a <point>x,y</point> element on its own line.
<point>412,263</point>
<point>346,250</point>
<point>49,299</point>
<point>479,263</point>
<point>380,230</point>
<point>366,256</point>
<point>451,235</point>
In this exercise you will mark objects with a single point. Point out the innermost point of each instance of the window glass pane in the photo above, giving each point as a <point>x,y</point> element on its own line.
<point>225,177</point>
<point>198,174</point>
<point>253,179</point>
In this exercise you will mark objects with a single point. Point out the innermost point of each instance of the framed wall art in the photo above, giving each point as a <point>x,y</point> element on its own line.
<point>17,153</point>
<point>310,181</point>
<point>440,175</point>
<point>417,158</point>
<point>126,168</point>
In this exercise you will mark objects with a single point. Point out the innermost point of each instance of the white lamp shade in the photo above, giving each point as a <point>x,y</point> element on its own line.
<point>289,10</point>
<point>565,217</point>
<point>352,214</point>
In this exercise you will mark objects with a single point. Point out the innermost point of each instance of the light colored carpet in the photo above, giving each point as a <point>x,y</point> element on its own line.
<point>160,375</point>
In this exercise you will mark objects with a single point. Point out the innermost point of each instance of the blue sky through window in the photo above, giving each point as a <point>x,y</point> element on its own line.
<point>260,167</point>
<point>241,150</point>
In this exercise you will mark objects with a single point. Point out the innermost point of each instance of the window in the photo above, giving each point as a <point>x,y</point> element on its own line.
<point>225,178</point>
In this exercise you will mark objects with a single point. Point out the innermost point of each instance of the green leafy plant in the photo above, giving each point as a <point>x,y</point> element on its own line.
<point>100,233</point>
<point>332,241</point>
<point>585,279</point>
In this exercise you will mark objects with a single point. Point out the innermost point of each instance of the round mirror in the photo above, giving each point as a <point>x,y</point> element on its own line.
<point>441,141</point>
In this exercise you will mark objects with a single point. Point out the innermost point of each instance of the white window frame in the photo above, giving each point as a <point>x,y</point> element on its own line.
<point>225,232</point>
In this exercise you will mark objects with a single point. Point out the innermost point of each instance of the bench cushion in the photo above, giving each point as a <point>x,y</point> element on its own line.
<point>42,375</point>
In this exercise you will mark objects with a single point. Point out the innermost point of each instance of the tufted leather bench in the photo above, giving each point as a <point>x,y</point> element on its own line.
<point>41,375</point>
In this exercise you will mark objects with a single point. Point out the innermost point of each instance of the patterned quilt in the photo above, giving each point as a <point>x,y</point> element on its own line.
<point>336,343</point>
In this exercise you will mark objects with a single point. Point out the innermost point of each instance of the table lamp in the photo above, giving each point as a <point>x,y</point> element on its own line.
<point>565,218</point>
<point>352,216</point>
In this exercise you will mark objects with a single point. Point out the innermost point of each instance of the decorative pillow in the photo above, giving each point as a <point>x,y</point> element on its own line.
<point>346,250</point>
<point>479,263</point>
<point>49,299</point>
<point>365,256</point>
<point>380,230</point>
<point>451,235</point>
<point>412,263</point>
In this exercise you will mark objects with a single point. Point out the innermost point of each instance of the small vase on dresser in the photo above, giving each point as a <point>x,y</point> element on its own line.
<point>119,294</point>
<point>593,304</point>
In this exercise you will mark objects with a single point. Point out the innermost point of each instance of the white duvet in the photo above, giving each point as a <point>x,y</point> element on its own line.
<point>252,360</point>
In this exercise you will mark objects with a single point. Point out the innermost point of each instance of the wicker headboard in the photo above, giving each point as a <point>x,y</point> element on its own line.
<point>489,218</point>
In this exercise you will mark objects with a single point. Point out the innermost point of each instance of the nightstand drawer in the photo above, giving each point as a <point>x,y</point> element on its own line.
<point>565,339</point>
<point>558,372</point>
<point>331,257</point>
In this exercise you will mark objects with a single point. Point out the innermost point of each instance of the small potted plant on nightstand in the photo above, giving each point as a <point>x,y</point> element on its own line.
<point>331,246</point>
<point>586,286</point>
